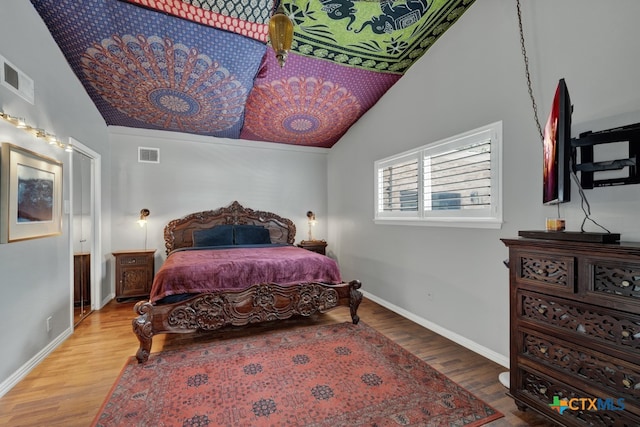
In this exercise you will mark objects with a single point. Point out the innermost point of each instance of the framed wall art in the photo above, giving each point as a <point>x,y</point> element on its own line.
<point>30,195</point>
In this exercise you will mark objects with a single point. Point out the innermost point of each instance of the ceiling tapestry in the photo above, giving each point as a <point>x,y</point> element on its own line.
<point>202,66</point>
<point>172,87</point>
<point>250,19</point>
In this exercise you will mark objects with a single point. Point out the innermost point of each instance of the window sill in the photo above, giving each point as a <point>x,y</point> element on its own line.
<point>488,223</point>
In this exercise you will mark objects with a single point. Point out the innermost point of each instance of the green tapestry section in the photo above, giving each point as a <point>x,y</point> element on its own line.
<point>385,35</point>
<point>258,11</point>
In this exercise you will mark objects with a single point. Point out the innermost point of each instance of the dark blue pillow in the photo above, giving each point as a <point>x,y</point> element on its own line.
<point>220,235</point>
<point>250,235</point>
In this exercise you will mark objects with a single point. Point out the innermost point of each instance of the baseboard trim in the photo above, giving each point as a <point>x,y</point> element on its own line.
<point>106,300</point>
<point>17,376</point>
<point>458,339</point>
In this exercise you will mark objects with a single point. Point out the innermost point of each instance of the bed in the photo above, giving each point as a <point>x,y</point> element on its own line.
<point>211,279</point>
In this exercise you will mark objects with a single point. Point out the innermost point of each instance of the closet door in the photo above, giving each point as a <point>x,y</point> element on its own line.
<point>82,239</point>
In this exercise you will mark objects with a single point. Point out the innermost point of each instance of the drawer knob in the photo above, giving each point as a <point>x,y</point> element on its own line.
<point>627,383</point>
<point>540,271</point>
<point>543,390</point>
<point>626,334</point>
<point>543,349</point>
<point>542,310</point>
<point>625,283</point>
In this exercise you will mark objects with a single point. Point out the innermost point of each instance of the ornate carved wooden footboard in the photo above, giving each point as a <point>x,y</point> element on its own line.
<point>257,304</point>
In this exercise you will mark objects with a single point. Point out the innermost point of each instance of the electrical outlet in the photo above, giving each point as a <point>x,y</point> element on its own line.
<point>49,323</point>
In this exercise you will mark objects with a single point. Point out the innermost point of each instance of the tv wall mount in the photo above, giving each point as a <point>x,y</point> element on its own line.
<point>587,166</point>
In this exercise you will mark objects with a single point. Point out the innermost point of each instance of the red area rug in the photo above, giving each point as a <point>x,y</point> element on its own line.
<point>331,375</point>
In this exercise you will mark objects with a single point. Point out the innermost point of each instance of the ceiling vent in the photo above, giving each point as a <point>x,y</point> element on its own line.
<point>16,81</point>
<point>148,155</point>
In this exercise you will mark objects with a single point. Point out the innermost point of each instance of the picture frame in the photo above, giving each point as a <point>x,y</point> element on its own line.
<point>30,195</point>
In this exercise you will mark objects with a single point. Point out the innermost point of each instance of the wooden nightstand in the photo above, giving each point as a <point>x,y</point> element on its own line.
<point>134,273</point>
<point>314,246</point>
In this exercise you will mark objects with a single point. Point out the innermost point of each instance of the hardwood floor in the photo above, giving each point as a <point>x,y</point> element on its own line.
<point>68,387</point>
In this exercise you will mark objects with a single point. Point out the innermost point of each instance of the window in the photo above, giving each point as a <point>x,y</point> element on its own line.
<point>454,182</point>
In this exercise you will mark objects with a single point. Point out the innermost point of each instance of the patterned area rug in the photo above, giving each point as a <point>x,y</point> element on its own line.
<point>330,375</point>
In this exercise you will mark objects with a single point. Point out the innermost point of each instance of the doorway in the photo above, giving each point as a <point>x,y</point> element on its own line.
<point>84,233</point>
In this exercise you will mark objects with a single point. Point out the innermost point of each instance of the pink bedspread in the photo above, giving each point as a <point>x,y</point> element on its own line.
<point>204,270</point>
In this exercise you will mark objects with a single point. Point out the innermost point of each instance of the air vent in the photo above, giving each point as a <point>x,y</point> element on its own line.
<point>16,81</point>
<point>148,155</point>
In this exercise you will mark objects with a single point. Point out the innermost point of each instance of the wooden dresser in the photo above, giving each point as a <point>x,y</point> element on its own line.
<point>134,273</point>
<point>575,330</point>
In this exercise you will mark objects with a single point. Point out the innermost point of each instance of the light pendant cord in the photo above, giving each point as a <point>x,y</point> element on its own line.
<point>527,75</point>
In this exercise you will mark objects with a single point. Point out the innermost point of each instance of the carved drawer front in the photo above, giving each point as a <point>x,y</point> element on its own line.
<point>613,376</point>
<point>545,271</point>
<point>615,282</point>
<point>608,328</point>
<point>542,389</point>
<point>134,260</point>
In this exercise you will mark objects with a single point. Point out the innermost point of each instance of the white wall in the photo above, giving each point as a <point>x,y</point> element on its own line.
<point>35,275</point>
<point>202,173</point>
<point>473,76</point>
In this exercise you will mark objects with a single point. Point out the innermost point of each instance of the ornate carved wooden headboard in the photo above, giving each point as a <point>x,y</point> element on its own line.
<point>178,233</point>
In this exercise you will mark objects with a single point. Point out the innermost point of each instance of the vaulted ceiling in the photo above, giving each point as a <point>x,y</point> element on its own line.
<point>205,66</point>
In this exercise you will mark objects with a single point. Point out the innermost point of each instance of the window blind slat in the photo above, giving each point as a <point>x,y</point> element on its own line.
<point>460,158</point>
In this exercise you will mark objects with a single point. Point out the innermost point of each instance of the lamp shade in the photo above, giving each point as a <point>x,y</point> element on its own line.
<point>311,217</point>
<point>144,213</point>
<point>281,34</point>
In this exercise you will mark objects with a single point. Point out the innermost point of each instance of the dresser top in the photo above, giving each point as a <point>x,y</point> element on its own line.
<point>628,248</point>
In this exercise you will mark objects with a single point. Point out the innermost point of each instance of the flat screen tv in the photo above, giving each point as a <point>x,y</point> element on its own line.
<point>557,149</point>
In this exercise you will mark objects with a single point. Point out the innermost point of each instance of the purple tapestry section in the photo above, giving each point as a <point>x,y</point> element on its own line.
<point>205,270</point>
<point>309,102</point>
<point>144,69</point>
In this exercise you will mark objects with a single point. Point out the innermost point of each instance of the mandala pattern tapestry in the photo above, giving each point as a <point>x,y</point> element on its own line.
<point>205,66</point>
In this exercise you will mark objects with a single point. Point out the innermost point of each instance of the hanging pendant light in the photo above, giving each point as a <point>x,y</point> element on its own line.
<point>281,34</point>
